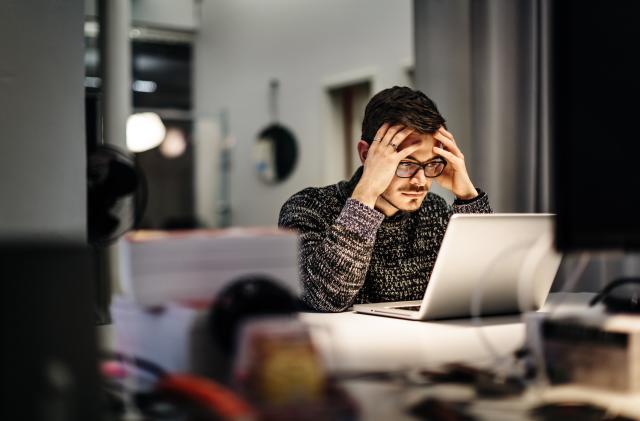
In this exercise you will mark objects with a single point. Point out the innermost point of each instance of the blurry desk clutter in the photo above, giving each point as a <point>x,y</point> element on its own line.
<point>373,368</point>
<point>157,267</point>
<point>209,327</point>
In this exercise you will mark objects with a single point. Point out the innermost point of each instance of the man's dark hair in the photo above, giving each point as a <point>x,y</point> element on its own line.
<point>400,105</point>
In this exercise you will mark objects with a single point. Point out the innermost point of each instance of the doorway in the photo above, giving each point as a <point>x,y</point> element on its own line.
<point>347,104</point>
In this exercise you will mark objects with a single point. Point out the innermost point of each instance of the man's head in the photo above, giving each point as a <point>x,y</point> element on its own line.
<point>401,105</point>
<point>414,110</point>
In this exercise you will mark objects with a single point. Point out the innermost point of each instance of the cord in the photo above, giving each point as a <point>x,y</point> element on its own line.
<point>611,286</point>
<point>142,363</point>
<point>205,392</point>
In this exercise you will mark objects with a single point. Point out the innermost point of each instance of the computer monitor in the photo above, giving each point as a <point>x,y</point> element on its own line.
<point>595,127</point>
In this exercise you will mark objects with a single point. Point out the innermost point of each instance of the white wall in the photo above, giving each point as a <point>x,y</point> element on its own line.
<point>309,46</point>
<point>42,140</point>
<point>166,14</point>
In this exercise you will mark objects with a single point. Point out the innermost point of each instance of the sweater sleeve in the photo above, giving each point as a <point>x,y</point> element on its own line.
<point>334,254</point>
<point>479,204</point>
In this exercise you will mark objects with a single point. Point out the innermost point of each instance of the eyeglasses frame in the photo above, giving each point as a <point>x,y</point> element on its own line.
<point>423,166</point>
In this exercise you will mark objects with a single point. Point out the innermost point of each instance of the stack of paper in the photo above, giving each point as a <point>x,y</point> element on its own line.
<point>157,267</point>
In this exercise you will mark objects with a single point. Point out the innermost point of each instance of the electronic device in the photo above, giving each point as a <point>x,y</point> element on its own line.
<point>594,125</point>
<point>484,257</point>
<point>591,349</point>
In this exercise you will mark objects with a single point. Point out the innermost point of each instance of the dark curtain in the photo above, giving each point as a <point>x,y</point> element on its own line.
<point>485,64</point>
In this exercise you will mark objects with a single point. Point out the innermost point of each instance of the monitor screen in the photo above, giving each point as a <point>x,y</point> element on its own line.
<point>595,124</point>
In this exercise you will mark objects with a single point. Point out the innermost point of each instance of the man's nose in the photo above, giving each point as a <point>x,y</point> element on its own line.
<point>419,178</point>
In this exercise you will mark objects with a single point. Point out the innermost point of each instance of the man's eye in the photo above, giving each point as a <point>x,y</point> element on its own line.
<point>407,164</point>
<point>434,164</point>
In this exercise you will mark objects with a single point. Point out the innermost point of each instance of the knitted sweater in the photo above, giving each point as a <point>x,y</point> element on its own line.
<point>351,253</point>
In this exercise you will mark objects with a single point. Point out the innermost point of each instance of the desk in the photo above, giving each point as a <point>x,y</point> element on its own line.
<point>353,341</point>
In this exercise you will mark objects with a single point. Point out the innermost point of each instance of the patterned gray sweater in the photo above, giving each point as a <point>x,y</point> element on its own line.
<point>350,253</point>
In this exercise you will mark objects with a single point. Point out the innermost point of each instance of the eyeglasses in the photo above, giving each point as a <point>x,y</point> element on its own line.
<point>408,169</point>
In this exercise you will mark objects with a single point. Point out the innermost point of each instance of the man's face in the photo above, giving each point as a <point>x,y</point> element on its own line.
<point>407,194</point>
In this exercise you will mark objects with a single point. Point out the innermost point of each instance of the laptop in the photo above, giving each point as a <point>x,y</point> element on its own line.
<point>488,264</point>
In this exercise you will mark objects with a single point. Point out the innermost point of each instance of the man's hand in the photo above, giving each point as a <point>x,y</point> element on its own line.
<point>381,162</point>
<point>455,176</point>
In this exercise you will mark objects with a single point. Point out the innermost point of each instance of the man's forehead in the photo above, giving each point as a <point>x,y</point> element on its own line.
<point>415,138</point>
<point>424,152</point>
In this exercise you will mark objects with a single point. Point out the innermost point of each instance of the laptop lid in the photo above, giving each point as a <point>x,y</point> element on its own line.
<point>503,262</point>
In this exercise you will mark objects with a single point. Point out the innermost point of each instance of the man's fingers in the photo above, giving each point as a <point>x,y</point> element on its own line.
<point>408,150</point>
<point>401,136</point>
<point>380,133</point>
<point>377,139</point>
<point>453,159</point>
<point>446,133</point>
<point>390,134</point>
<point>450,144</point>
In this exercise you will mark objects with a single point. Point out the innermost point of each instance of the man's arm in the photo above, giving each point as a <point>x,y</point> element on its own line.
<point>334,255</point>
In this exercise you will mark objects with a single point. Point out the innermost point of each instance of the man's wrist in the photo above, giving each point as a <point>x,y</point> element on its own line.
<point>364,197</point>
<point>469,195</point>
<point>468,192</point>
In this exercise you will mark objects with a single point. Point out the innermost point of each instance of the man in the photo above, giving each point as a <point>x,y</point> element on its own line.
<point>375,237</point>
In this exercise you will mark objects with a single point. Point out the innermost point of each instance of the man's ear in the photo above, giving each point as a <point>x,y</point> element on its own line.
<point>363,149</point>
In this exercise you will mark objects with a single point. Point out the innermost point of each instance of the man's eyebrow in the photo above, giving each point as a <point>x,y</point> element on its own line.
<point>412,158</point>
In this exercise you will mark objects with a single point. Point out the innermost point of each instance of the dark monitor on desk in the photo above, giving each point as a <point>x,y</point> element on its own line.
<point>595,124</point>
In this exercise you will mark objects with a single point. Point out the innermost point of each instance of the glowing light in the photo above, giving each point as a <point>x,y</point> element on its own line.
<point>146,86</point>
<point>144,131</point>
<point>174,143</point>
<point>92,82</point>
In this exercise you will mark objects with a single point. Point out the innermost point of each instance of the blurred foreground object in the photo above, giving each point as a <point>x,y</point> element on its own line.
<point>49,369</point>
<point>158,267</point>
<point>207,393</point>
<point>277,363</point>
<point>600,352</point>
<point>250,297</point>
<point>620,296</point>
<point>167,396</point>
<point>116,194</point>
<point>279,369</point>
<point>116,201</point>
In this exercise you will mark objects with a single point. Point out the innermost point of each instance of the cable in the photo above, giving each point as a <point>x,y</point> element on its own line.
<point>610,287</point>
<point>142,363</point>
<point>216,398</point>
<point>205,392</point>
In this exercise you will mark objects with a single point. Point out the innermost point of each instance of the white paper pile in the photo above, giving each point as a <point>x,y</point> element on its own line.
<point>157,267</point>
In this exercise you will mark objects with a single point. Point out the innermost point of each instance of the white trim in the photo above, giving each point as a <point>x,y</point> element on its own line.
<point>352,77</point>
